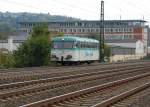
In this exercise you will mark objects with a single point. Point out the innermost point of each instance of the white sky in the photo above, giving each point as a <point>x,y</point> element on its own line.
<point>84,9</point>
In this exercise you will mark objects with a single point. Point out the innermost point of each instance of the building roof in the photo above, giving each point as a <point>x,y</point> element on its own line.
<point>88,23</point>
<point>121,41</point>
<point>74,38</point>
<point>123,45</point>
<point>16,39</point>
<point>85,21</point>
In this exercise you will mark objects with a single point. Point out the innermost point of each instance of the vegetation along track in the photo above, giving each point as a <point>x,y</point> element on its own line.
<point>11,91</point>
<point>40,74</point>
<point>102,95</point>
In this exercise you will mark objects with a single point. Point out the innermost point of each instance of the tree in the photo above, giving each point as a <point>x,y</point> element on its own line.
<point>61,34</point>
<point>6,59</point>
<point>36,50</point>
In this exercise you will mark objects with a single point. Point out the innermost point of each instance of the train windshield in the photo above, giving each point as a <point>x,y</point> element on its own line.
<point>62,45</point>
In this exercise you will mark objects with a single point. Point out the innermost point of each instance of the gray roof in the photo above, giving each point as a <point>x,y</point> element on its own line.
<point>120,41</point>
<point>84,21</point>
<point>123,45</point>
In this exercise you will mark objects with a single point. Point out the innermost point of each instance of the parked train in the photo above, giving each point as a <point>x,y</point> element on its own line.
<point>71,49</point>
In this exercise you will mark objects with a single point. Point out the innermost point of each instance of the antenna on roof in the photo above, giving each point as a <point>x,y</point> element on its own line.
<point>143,17</point>
<point>120,14</point>
<point>120,17</point>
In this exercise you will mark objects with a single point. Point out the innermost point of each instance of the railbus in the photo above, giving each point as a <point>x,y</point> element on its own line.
<point>73,49</point>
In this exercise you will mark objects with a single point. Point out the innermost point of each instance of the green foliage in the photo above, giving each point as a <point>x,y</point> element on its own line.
<point>36,50</point>
<point>6,60</point>
<point>41,30</point>
<point>106,51</point>
<point>61,34</point>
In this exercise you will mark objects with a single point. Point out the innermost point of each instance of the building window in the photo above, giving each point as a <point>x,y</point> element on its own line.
<point>83,30</point>
<point>116,30</point>
<point>88,30</point>
<point>92,30</point>
<point>97,30</point>
<point>61,30</point>
<point>74,30</point>
<point>79,30</point>
<point>130,30</point>
<point>79,24</point>
<point>65,30</point>
<point>111,30</point>
<point>120,29</point>
<point>127,36</point>
<point>70,30</point>
<point>107,30</point>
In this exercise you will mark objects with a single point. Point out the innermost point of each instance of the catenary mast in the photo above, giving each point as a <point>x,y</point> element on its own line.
<point>101,36</point>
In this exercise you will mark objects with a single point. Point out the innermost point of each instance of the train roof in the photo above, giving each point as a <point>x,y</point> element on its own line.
<point>74,38</point>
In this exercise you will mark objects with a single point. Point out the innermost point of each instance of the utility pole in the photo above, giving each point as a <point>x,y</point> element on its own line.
<point>101,36</point>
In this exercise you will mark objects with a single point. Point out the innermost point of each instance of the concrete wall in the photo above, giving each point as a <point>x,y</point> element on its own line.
<point>9,47</point>
<point>117,58</point>
<point>130,51</point>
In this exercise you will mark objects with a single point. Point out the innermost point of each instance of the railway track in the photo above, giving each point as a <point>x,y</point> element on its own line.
<point>141,98</point>
<point>31,87</point>
<point>60,67</point>
<point>26,76</point>
<point>100,74</point>
<point>104,95</point>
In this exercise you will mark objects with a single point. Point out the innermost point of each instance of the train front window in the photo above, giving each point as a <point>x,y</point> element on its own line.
<point>63,45</point>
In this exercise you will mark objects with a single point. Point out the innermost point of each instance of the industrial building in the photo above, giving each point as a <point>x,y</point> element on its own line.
<point>118,33</point>
<point>121,34</point>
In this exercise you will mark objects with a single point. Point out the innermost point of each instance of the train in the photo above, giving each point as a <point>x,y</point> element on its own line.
<point>74,50</point>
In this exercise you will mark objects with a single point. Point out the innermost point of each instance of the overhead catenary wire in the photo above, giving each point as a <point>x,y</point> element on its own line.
<point>71,7</point>
<point>130,4</point>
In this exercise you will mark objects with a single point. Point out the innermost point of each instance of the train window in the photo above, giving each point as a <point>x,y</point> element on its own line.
<point>68,45</point>
<point>78,45</point>
<point>82,45</point>
<point>92,45</point>
<point>87,45</point>
<point>59,45</point>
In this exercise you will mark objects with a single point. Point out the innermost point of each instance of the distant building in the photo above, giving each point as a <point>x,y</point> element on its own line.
<point>12,43</point>
<point>126,51</point>
<point>149,50</point>
<point>123,33</point>
<point>120,32</point>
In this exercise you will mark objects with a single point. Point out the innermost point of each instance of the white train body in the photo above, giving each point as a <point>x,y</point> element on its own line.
<point>74,49</point>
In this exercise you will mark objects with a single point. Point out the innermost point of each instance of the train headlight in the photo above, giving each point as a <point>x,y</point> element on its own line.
<point>68,57</point>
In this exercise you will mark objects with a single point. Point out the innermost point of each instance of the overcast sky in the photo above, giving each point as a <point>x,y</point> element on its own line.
<point>84,9</point>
